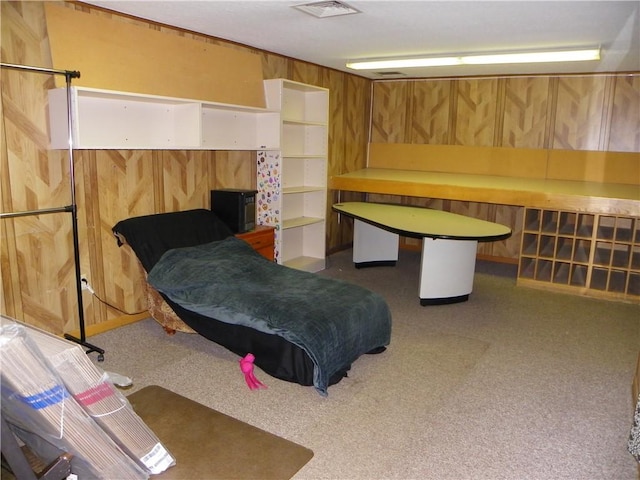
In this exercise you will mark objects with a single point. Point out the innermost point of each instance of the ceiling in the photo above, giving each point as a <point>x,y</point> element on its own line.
<point>411,28</point>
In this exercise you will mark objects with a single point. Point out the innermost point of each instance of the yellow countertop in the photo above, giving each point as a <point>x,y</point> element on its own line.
<point>424,222</point>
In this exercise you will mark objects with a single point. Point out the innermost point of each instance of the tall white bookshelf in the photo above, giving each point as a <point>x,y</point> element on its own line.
<point>292,181</point>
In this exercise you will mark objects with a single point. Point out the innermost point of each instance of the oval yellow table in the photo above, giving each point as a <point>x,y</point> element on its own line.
<point>449,244</point>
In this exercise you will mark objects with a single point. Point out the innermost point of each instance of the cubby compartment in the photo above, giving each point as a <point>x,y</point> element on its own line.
<point>617,281</point>
<point>301,244</point>
<point>568,222</point>
<point>303,205</point>
<point>582,251</point>
<point>300,103</point>
<point>561,272</point>
<point>599,279</point>
<point>621,255</point>
<point>578,275</point>
<point>233,128</point>
<point>299,139</point>
<point>602,255</point>
<point>544,270</point>
<point>526,268</point>
<point>530,244</point>
<point>303,173</point>
<point>606,227</point>
<point>624,230</point>
<point>532,220</point>
<point>595,254</point>
<point>635,257</point>
<point>584,227</point>
<point>564,248</point>
<point>634,284</point>
<point>547,246</point>
<point>550,221</point>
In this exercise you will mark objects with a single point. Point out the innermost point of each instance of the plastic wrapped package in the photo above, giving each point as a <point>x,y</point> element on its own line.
<point>36,402</point>
<point>93,389</point>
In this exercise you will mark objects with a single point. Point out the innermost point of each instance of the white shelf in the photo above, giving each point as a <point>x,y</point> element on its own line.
<point>309,264</point>
<point>301,189</point>
<point>105,119</point>
<point>301,244</point>
<point>294,180</point>
<point>300,222</point>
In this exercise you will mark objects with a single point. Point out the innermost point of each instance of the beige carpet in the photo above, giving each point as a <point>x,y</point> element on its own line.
<point>513,384</point>
<point>209,444</point>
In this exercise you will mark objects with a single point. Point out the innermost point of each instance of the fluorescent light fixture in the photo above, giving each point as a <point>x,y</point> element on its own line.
<point>534,57</point>
<point>523,57</point>
<point>405,63</point>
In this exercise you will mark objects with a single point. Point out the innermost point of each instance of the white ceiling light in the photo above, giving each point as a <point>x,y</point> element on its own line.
<point>523,57</point>
<point>326,9</point>
<point>405,63</point>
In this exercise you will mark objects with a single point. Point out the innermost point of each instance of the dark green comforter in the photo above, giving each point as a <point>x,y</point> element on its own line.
<point>334,322</point>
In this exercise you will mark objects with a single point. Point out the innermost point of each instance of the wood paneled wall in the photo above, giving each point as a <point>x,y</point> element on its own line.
<point>578,112</point>
<point>38,283</point>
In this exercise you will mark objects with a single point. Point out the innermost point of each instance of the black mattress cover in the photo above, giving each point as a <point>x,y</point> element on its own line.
<point>150,236</point>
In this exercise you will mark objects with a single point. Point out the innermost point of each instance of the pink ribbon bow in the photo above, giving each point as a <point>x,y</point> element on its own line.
<point>246,365</point>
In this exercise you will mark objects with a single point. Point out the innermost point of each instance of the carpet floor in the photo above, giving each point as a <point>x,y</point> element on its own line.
<point>516,383</point>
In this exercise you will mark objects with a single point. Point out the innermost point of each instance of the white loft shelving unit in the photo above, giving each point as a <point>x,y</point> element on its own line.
<point>105,119</point>
<point>292,181</point>
<point>290,136</point>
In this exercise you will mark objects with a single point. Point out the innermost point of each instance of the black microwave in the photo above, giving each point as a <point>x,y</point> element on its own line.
<point>236,208</point>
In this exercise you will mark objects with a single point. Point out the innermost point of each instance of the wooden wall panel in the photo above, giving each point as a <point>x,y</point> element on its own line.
<point>184,180</point>
<point>475,114</point>
<point>307,73</point>
<point>389,112</point>
<point>118,184</point>
<point>338,133</point>
<point>431,112</point>
<point>525,112</point>
<point>274,66</point>
<point>625,115</point>
<point>355,132</point>
<point>229,170</point>
<point>581,112</point>
<point>579,117</point>
<point>41,291</point>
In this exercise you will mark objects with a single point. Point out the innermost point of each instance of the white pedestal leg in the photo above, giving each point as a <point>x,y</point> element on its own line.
<point>447,270</point>
<point>373,246</point>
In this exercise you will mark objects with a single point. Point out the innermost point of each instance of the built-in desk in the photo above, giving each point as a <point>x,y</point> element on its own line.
<point>581,230</point>
<point>526,192</point>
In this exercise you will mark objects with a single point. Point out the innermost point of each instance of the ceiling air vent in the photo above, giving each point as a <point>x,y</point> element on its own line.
<point>326,9</point>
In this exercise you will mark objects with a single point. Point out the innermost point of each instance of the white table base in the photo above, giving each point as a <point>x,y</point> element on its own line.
<point>447,266</point>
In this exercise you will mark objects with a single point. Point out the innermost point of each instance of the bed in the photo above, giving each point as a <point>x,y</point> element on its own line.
<point>301,327</point>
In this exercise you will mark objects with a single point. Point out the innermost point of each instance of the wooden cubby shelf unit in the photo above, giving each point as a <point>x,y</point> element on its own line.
<point>597,254</point>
